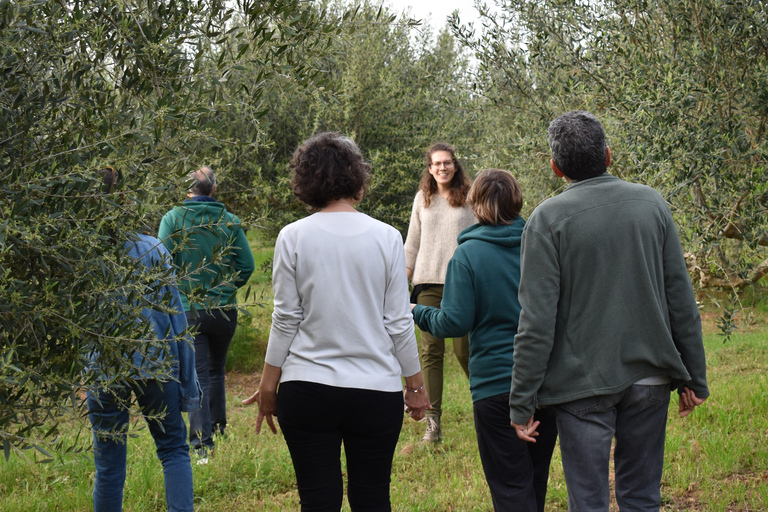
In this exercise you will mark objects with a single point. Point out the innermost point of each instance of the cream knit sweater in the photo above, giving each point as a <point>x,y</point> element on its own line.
<point>431,238</point>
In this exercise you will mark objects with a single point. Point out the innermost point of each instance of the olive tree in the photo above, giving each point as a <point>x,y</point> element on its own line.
<point>391,88</point>
<point>681,88</point>
<point>139,86</point>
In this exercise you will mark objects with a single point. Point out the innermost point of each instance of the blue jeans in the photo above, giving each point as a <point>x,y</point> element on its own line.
<point>109,415</point>
<point>637,417</point>
<point>215,330</point>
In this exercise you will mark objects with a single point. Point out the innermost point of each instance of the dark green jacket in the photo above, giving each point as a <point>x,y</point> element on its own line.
<point>209,246</point>
<point>480,298</point>
<point>606,297</point>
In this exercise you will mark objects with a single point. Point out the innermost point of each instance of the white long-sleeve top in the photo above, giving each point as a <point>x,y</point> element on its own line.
<point>342,315</point>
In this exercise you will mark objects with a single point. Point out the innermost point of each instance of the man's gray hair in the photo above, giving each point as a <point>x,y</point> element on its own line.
<point>203,182</point>
<point>577,142</point>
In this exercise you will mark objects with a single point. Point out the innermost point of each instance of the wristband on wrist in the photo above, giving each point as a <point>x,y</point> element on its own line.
<point>417,390</point>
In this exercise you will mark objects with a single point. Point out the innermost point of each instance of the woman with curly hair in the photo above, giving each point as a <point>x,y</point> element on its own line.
<point>342,335</point>
<point>440,212</point>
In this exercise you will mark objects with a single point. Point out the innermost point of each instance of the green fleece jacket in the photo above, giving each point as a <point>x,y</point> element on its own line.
<point>480,298</point>
<point>209,246</point>
<point>606,298</point>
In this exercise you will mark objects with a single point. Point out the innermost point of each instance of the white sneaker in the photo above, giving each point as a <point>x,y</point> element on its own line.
<point>433,434</point>
<point>202,462</point>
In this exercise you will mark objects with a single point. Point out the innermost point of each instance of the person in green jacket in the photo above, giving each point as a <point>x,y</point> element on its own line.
<point>480,298</point>
<point>609,324</point>
<point>209,246</point>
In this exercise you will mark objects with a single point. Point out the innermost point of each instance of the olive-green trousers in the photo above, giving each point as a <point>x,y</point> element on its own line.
<point>433,354</point>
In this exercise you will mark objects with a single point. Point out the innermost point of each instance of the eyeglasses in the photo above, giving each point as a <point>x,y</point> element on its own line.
<point>447,164</point>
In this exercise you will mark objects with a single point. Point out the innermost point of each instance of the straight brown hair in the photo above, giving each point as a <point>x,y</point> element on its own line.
<point>495,197</point>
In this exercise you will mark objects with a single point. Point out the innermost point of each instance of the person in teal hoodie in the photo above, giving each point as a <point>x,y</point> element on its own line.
<point>214,258</point>
<point>480,298</point>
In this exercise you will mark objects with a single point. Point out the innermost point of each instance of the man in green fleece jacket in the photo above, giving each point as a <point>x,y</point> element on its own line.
<point>609,324</point>
<point>209,246</point>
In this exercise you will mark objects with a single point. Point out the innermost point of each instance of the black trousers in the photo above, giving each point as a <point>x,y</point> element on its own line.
<point>516,471</point>
<point>215,331</point>
<point>316,419</point>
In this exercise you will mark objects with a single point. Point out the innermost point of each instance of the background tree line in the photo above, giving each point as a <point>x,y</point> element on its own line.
<point>157,88</point>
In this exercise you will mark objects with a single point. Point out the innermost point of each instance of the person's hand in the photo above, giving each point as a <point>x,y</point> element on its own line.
<point>416,404</point>
<point>527,431</point>
<point>412,306</point>
<point>688,401</point>
<point>267,404</point>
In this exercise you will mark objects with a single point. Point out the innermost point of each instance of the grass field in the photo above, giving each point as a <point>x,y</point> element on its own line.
<point>716,459</point>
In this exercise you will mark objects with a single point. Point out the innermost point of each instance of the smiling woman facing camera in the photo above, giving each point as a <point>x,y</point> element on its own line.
<point>342,335</point>
<point>440,212</point>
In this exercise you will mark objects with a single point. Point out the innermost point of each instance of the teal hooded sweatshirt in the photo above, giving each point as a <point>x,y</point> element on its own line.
<point>480,298</point>
<point>210,249</point>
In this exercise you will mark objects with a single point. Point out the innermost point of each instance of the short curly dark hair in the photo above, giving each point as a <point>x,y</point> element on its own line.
<point>326,167</point>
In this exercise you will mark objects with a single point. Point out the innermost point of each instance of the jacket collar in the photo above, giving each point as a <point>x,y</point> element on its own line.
<point>201,199</point>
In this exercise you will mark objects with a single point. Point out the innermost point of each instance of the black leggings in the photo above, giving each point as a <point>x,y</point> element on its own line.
<point>316,419</point>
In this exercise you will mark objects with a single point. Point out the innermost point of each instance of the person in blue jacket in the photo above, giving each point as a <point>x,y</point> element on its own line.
<point>161,399</point>
<point>480,298</point>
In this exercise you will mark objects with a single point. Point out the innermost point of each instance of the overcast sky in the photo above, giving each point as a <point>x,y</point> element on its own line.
<point>436,10</point>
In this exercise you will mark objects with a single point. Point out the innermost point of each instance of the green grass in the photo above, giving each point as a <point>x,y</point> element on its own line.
<point>716,459</point>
